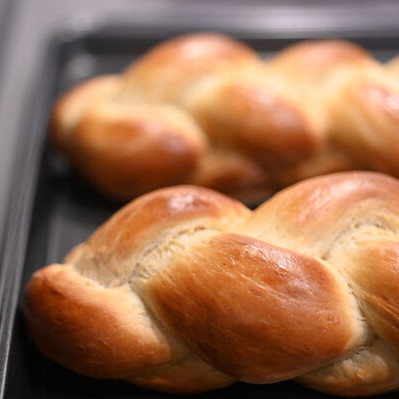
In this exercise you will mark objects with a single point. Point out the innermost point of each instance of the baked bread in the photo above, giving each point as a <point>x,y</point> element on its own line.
<point>205,109</point>
<point>186,290</point>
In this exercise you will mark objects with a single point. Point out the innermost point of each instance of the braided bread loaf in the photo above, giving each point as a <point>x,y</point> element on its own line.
<point>204,109</point>
<point>186,290</point>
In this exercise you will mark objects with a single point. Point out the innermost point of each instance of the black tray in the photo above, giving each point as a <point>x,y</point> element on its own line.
<point>51,209</point>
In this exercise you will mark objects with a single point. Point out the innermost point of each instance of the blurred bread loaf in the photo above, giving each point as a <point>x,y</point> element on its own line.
<point>205,109</point>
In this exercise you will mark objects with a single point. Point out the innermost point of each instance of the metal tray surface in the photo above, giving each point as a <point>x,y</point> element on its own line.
<point>52,210</point>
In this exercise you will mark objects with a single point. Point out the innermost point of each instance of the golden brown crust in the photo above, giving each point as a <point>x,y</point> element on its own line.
<point>93,290</point>
<point>167,72</point>
<point>174,377</point>
<point>316,107</point>
<point>376,286</point>
<point>108,331</point>
<point>369,125</point>
<point>257,122</point>
<point>314,60</point>
<point>70,107</point>
<point>371,369</point>
<point>106,255</point>
<point>185,290</point>
<point>258,283</point>
<point>127,151</point>
<point>55,307</point>
<point>239,175</point>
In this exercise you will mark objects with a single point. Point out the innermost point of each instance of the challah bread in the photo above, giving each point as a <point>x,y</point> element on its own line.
<point>186,290</point>
<point>358,96</point>
<point>212,82</point>
<point>315,107</point>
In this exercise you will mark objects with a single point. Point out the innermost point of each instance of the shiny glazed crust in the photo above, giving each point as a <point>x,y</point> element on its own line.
<point>204,109</point>
<point>185,290</point>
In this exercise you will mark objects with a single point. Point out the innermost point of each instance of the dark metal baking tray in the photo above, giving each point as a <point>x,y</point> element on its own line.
<point>51,209</point>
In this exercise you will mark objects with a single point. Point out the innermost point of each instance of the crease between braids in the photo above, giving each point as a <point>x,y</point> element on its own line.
<point>204,109</point>
<point>186,290</point>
